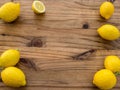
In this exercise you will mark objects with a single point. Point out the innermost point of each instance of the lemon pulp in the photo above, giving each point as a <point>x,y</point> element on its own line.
<point>38,7</point>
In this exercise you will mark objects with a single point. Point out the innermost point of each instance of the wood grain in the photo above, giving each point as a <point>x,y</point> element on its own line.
<point>53,45</point>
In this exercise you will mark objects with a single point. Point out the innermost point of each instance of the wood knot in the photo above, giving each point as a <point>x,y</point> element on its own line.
<point>112,1</point>
<point>85,26</point>
<point>36,42</point>
<point>28,63</point>
<point>3,34</point>
<point>1,80</point>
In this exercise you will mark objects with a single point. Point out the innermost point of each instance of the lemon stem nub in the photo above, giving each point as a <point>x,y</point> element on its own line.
<point>117,73</point>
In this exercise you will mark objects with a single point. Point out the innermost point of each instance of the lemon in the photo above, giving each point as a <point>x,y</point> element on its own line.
<point>104,79</point>
<point>109,32</point>
<point>106,9</point>
<point>13,77</point>
<point>38,7</point>
<point>9,11</point>
<point>112,63</point>
<point>9,58</point>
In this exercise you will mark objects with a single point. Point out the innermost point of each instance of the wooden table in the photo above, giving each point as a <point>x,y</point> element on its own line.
<point>61,49</point>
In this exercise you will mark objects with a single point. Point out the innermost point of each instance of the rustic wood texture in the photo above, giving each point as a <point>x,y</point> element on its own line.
<point>61,49</point>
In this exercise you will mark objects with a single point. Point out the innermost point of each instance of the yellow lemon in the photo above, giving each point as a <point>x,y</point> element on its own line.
<point>13,77</point>
<point>109,32</point>
<point>104,79</point>
<point>112,63</point>
<point>9,58</point>
<point>9,11</point>
<point>106,9</point>
<point>38,7</point>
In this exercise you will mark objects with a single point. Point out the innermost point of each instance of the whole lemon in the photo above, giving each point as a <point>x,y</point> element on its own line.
<point>9,11</point>
<point>112,63</point>
<point>104,79</point>
<point>109,32</point>
<point>13,77</point>
<point>106,9</point>
<point>9,58</point>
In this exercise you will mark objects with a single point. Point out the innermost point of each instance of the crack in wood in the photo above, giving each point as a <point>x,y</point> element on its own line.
<point>84,55</point>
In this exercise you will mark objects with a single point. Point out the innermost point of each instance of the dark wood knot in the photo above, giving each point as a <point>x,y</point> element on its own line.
<point>3,34</point>
<point>111,1</point>
<point>85,26</point>
<point>36,42</point>
<point>28,63</point>
<point>0,80</point>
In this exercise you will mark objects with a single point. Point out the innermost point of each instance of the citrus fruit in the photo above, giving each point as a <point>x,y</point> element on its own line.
<point>109,32</point>
<point>9,58</point>
<point>9,11</point>
<point>112,63</point>
<point>104,79</point>
<point>13,77</point>
<point>38,7</point>
<point>106,9</point>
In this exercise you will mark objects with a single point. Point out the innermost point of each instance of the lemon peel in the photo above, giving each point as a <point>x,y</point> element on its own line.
<point>13,77</point>
<point>9,57</point>
<point>112,63</point>
<point>9,11</point>
<point>109,32</point>
<point>106,9</point>
<point>104,79</point>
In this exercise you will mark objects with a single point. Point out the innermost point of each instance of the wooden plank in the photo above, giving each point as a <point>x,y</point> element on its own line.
<point>52,45</point>
<point>57,69</point>
<point>51,38</point>
<point>65,14</point>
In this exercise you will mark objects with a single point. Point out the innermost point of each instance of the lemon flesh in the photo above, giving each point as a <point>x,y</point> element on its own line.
<point>106,9</point>
<point>104,79</point>
<point>112,63</point>
<point>9,11</point>
<point>9,58</point>
<point>109,32</point>
<point>38,7</point>
<point>13,77</point>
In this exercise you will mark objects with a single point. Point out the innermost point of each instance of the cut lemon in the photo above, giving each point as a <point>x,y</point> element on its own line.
<point>38,7</point>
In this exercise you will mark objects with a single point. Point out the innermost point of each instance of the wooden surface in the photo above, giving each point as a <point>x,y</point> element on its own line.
<point>60,50</point>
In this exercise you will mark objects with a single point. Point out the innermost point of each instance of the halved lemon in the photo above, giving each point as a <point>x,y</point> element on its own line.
<point>38,7</point>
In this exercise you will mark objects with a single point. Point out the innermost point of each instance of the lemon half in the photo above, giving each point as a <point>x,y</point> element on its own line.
<point>38,7</point>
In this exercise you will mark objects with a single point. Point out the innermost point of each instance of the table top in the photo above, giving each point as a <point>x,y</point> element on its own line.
<point>61,49</point>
